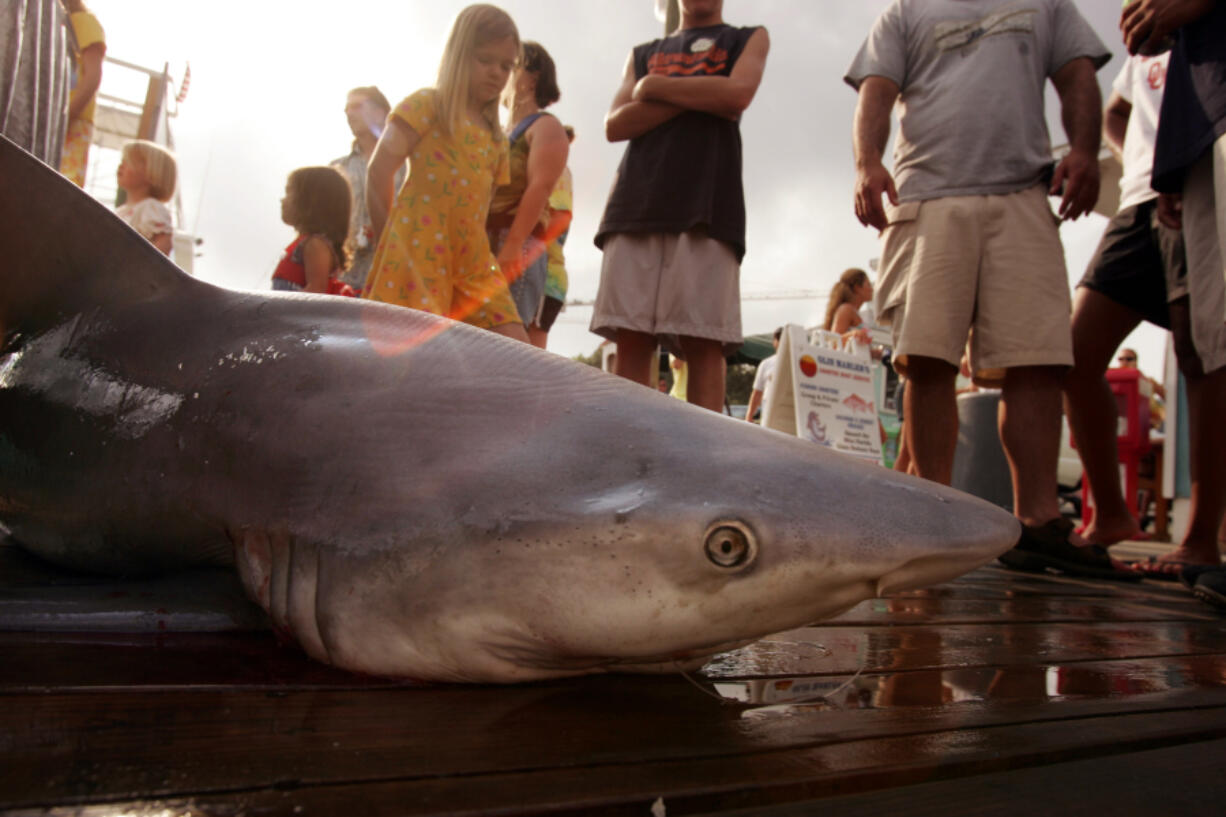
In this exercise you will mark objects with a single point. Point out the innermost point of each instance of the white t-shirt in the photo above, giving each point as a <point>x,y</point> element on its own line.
<point>971,75</point>
<point>765,377</point>
<point>764,381</point>
<point>149,217</point>
<point>1140,83</point>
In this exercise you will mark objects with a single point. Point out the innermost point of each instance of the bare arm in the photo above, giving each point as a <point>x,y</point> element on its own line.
<point>628,118</point>
<point>1170,210</point>
<point>870,132</point>
<point>723,96</point>
<point>317,261</point>
<point>1154,20</point>
<point>548,149</point>
<point>755,400</point>
<point>164,242</point>
<point>1115,123</point>
<point>1081,112</point>
<point>391,151</point>
<point>91,78</point>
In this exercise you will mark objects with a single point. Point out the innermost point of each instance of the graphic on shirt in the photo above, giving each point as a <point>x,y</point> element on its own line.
<point>961,34</point>
<point>708,61</point>
<point>1156,75</point>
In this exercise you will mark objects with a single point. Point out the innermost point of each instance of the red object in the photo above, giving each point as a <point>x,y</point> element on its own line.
<point>1132,439</point>
<point>290,267</point>
<point>336,287</point>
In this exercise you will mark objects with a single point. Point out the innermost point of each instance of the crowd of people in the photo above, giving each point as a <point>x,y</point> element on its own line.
<point>971,256</point>
<point>972,270</point>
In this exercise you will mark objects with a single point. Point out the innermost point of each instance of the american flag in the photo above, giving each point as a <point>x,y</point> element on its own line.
<point>185,84</point>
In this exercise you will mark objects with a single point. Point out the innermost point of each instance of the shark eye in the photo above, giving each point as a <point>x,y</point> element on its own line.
<point>729,546</point>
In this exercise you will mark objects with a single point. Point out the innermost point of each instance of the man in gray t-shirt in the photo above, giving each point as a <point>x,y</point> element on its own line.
<point>970,245</point>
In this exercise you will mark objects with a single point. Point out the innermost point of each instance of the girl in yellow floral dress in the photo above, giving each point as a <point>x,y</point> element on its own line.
<point>433,253</point>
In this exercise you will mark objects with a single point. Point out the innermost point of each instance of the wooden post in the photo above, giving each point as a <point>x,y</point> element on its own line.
<point>155,101</point>
<point>672,19</point>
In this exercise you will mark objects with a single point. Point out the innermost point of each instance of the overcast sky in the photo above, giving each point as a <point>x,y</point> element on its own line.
<point>268,84</point>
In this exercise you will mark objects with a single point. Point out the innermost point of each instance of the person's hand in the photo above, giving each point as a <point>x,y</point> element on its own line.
<point>511,261</point>
<point>1076,182</point>
<point>1154,20</point>
<point>1170,210</point>
<point>871,183</point>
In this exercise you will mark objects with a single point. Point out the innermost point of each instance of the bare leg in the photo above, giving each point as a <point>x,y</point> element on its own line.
<point>931,409</point>
<point>635,352</point>
<point>537,336</point>
<point>902,463</point>
<point>707,372</point>
<point>1100,325</point>
<point>515,331</point>
<point>1029,421</point>
<point>1207,439</point>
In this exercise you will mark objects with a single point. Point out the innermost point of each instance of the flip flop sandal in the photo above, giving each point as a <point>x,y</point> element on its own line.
<point>1163,570</point>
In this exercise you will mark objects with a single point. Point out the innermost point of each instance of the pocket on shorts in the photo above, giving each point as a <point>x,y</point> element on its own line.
<point>897,253</point>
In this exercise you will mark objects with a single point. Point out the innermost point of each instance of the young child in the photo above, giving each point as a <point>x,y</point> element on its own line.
<point>433,253</point>
<point>316,204</point>
<point>146,175</point>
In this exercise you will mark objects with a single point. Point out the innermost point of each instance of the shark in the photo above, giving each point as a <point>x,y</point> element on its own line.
<point>411,497</point>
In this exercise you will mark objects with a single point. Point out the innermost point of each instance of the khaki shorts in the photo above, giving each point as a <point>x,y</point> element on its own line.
<point>988,266</point>
<point>1204,237</point>
<point>670,285</point>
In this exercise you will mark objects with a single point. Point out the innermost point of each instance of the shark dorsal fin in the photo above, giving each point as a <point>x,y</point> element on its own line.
<point>61,252</point>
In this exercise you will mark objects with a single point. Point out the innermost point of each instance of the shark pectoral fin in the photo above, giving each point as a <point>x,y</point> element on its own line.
<point>253,557</point>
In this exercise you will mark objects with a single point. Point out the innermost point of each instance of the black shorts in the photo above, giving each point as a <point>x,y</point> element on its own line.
<point>548,313</point>
<point>1135,259</point>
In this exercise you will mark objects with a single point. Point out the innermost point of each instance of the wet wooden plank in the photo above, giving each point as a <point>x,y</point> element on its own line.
<point>67,662</point>
<point>1046,609</point>
<point>838,650</point>
<point>1186,780</point>
<point>120,744</point>
<point>80,661</point>
<point>755,778</point>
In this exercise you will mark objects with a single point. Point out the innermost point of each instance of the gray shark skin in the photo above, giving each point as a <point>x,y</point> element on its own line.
<point>411,497</point>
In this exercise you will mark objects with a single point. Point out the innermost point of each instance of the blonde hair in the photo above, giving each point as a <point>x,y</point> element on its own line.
<point>475,26</point>
<point>159,164</point>
<point>840,293</point>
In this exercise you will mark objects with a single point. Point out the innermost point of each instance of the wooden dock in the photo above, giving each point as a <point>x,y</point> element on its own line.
<point>998,693</point>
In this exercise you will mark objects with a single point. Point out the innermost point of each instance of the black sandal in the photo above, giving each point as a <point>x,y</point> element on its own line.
<point>1047,547</point>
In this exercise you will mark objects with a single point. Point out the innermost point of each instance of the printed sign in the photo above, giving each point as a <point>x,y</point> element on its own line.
<point>824,393</point>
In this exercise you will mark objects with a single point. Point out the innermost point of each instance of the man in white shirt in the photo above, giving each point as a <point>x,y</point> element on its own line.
<point>1137,270</point>
<point>764,381</point>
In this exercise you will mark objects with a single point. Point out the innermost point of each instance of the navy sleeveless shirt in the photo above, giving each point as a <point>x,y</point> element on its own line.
<point>685,173</point>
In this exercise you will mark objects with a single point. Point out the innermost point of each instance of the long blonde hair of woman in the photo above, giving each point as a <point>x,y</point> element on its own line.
<point>840,293</point>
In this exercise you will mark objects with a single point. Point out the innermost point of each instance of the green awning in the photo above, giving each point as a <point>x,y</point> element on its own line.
<point>755,349</point>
